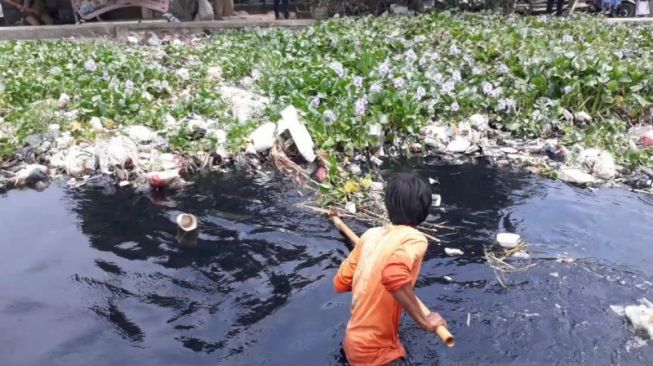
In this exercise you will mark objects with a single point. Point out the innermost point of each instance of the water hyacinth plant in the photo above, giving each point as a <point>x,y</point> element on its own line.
<point>345,75</point>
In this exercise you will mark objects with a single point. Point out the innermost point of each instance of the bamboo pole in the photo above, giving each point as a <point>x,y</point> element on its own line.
<point>442,332</point>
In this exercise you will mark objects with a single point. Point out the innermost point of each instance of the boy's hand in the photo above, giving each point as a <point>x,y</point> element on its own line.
<point>433,321</point>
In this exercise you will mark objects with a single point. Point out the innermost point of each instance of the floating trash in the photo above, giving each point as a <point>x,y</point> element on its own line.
<point>508,240</point>
<point>187,222</point>
<point>437,200</point>
<point>640,316</point>
<point>453,252</point>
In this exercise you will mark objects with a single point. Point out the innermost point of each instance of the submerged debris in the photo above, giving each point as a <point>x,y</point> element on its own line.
<point>31,175</point>
<point>640,316</point>
<point>576,176</point>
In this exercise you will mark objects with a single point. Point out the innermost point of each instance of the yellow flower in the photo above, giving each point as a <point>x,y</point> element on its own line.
<point>74,126</point>
<point>366,183</point>
<point>352,187</point>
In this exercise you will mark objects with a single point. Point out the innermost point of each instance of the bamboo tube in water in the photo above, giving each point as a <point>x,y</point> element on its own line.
<point>442,332</point>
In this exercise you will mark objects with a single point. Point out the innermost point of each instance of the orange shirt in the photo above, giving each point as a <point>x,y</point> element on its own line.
<point>385,259</point>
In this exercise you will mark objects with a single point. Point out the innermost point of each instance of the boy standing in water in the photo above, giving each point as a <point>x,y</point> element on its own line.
<point>381,272</point>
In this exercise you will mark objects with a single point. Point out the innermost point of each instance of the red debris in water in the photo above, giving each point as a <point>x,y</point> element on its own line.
<point>321,174</point>
<point>646,140</point>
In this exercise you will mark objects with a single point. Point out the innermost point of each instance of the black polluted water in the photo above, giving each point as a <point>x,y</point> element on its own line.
<point>97,276</point>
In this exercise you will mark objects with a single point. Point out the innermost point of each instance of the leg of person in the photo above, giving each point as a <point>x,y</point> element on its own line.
<point>559,6</point>
<point>549,6</point>
<point>218,9</point>
<point>228,9</point>
<point>284,3</point>
<point>275,6</point>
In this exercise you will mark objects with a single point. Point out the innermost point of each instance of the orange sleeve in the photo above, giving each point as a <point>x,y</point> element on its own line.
<point>397,271</point>
<point>343,279</point>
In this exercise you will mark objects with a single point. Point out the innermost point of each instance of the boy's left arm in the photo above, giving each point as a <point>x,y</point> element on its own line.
<point>397,278</point>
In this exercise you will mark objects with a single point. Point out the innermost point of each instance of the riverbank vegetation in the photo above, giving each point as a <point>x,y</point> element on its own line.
<point>358,83</point>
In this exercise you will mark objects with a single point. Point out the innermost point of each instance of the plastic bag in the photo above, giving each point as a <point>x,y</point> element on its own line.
<point>642,8</point>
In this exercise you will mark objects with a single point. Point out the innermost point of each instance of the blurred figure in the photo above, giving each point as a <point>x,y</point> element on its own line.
<point>284,9</point>
<point>559,6</point>
<point>223,8</point>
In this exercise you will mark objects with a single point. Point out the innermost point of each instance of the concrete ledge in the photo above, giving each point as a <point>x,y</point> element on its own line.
<point>119,29</point>
<point>646,21</point>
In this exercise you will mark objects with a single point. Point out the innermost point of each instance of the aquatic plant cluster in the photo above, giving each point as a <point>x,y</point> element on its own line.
<point>355,81</point>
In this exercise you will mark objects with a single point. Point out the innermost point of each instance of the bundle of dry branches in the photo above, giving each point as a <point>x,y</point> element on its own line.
<point>497,260</point>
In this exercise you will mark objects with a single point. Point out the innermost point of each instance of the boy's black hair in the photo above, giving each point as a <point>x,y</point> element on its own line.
<point>408,199</point>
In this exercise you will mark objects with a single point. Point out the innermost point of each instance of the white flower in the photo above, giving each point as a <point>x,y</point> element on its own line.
<point>448,87</point>
<point>454,107</point>
<point>506,104</point>
<point>410,55</point>
<point>407,68</point>
<point>358,82</point>
<point>105,76</point>
<point>315,102</point>
<point>468,58</point>
<point>423,61</point>
<point>375,88</point>
<point>183,73</point>
<point>90,65</point>
<point>434,56</point>
<point>435,76</point>
<point>477,71</point>
<point>487,88</point>
<point>384,68</point>
<point>399,83</point>
<point>510,103</point>
<point>329,116</point>
<point>337,68</point>
<point>419,93</point>
<point>129,86</point>
<point>361,105</point>
<point>567,89</point>
<point>456,75</point>
<point>567,38</point>
<point>403,92</point>
<point>495,92</point>
<point>536,115</point>
<point>454,50</point>
<point>502,69</point>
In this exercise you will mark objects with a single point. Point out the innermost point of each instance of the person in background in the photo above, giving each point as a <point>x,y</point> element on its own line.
<point>559,6</point>
<point>223,8</point>
<point>381,272</point>
<point>284,9</point>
